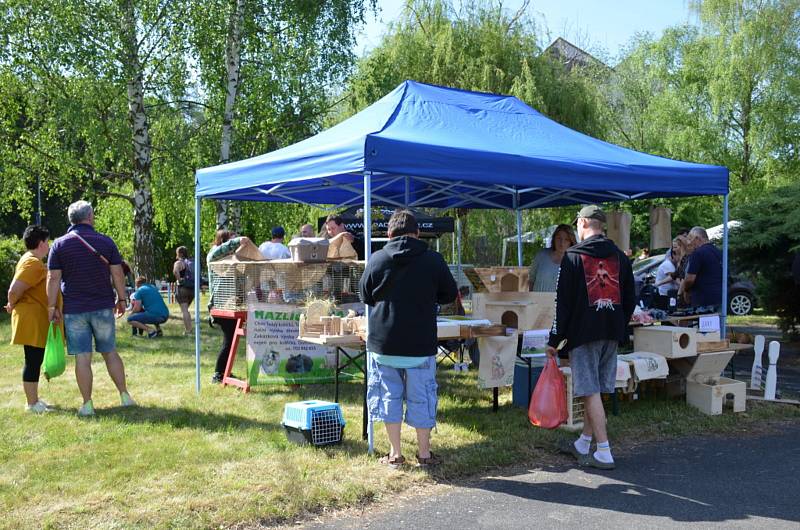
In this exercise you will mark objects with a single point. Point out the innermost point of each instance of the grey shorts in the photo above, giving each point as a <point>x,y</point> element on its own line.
<point>594,367</point>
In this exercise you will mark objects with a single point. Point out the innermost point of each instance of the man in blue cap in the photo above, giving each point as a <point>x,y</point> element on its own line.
<point>275,249</point>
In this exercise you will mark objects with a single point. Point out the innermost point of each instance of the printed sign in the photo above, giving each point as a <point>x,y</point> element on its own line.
<point>276,356</point>
<point>498,355</point>
<point>534,342</point>
<point>709,323</point>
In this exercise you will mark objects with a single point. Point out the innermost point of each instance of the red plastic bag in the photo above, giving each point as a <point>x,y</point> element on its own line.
<point>548,408</point>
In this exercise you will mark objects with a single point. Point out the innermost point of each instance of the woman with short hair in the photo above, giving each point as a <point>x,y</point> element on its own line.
<point>27,303</point>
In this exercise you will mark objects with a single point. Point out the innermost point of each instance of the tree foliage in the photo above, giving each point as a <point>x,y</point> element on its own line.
<point>765,244</point>
<point>120,101</point>
<point>480,46</point>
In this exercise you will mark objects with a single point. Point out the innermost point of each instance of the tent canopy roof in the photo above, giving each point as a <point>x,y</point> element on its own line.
<point>440,147</point>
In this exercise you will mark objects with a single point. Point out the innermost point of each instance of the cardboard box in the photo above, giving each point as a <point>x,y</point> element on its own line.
<point>671,342</point>
<point>309,249</point>
<point>706,389</point>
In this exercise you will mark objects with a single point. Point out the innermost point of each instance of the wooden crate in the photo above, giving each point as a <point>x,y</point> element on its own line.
<point>710,346</point>
<point>522,311</point>
<point>504,279</point>
<point>710,398</point>
<point>575,412</point>
<point>705,388</point>
<point>671,342</point>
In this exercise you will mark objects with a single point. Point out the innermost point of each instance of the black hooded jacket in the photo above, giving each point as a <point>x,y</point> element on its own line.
<point>403,282</point>
<point>595,297</point>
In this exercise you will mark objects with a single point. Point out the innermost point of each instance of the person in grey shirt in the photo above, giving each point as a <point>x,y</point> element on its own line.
<point>544,269</point>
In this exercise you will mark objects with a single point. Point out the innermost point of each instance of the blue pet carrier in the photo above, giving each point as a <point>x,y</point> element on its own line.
<point>313,422</point>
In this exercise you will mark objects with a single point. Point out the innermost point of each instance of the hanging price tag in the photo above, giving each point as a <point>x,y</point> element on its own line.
<point>709,323</point>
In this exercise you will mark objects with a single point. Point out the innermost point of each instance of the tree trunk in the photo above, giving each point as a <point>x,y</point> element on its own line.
<point>143,246</point>
<point>229,213</point>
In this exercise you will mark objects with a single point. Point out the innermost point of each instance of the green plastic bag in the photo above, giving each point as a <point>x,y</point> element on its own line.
<point>54,359</point>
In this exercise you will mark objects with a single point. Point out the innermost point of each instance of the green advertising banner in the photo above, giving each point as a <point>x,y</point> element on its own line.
<point>276,356</point>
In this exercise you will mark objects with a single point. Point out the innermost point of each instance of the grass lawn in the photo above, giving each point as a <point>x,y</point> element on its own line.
<point>758,317</point>
<point>221,458</point>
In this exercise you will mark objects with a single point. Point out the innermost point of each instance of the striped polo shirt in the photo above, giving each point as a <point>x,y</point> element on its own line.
<point>85,278</point>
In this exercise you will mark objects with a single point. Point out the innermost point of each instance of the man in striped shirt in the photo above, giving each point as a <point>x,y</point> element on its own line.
<point>82,264</point>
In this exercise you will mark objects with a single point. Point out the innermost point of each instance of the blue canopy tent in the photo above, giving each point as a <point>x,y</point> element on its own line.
<point>429,146</point>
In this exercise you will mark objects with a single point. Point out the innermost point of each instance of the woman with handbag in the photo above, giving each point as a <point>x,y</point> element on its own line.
<point>27,303</point>
<point>183,269</point>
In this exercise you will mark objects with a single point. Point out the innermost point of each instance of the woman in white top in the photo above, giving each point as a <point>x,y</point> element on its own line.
<point>545,266</point>
<point>666,279</point>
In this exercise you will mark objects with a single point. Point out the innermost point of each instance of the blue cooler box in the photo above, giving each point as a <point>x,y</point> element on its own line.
<point>520,397</point>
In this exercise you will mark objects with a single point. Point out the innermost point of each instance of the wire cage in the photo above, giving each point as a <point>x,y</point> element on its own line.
<point>283,281</point>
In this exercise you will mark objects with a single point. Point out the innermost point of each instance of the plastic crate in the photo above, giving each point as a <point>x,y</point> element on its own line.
<point>313,422</point>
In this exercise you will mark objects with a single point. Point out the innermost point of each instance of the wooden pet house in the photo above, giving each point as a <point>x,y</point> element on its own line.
<point>518,310</point>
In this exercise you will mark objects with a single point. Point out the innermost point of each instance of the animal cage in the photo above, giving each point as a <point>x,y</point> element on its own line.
<point>281,281</point>
<point>575,407</point>
<point>313,422</point>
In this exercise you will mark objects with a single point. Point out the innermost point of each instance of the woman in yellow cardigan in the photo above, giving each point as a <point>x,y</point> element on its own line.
<point>27,303</point>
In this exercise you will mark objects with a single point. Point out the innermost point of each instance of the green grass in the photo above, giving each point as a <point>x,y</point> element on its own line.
<point>221,458</point>
<point>757,318</point>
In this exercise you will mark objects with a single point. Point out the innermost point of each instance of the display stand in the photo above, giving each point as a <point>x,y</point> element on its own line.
<point>240,331</point>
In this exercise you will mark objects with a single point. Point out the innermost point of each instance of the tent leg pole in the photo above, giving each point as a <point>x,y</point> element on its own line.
<point>724,322</point>
<point>367,255</point>
<point>407,196</point>
<point>197,270</point>
<point>458,248</point>
<point>519,237</point>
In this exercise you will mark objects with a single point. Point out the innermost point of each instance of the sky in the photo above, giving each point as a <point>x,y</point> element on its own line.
<point>595,25</point>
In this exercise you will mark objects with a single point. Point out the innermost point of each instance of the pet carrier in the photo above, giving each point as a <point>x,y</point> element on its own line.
<point>313,422</point>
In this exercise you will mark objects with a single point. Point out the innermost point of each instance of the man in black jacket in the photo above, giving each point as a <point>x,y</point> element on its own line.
<point>594,302</point>
<point>403,283</point>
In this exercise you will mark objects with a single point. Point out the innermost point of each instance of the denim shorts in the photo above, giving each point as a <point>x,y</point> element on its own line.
<point>388,387</point>
<point>81,327</point>
<point>594,367</point>
<point>143,317</point>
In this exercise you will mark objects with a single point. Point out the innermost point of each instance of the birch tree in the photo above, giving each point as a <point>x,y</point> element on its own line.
<point>271,85</point>
<point>94,71</point>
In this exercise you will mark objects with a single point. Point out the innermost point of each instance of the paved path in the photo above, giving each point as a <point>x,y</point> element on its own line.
<point>708,482</point>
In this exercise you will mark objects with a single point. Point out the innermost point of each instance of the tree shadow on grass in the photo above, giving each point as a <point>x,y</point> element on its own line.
<point>186,418</point>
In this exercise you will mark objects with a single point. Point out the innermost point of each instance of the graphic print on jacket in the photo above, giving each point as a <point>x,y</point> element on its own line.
<point>602,281</point>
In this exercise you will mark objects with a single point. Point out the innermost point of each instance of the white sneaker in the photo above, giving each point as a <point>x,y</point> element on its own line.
<point>126,400</point>
<point>86,410</point>
<point>37,408</point>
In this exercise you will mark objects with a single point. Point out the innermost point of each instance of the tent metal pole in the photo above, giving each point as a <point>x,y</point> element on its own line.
<point>367,255</point>
<point>407,199</point>
<point>519,228</point>
<point>197,270</point>
<point>458,248</point>
<point>724,266</point>
<point>453,243</point>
